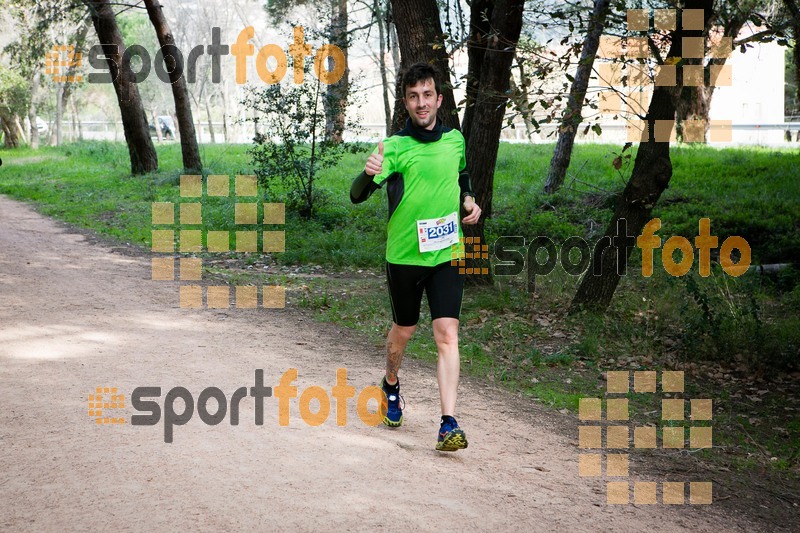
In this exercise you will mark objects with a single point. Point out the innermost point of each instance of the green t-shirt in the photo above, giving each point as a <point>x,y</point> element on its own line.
<point>422,184</point>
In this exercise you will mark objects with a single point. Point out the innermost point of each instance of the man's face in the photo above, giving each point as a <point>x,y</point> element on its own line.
<point>422,103</point>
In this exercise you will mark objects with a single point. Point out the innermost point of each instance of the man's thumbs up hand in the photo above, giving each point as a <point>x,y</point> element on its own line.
<point>374,164</point>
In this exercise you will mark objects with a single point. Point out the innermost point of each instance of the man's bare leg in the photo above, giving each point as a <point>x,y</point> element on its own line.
<point>396,343</point>
<point>448,366</point>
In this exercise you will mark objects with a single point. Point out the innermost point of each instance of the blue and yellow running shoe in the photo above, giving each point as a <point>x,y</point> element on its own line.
<point>451,437</point>
<point>394,414</point>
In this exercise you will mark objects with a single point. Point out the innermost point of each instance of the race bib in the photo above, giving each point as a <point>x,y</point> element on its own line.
<point>437,233</point>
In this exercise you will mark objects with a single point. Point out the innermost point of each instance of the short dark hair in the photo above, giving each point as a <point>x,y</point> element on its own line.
<point>420,72</point>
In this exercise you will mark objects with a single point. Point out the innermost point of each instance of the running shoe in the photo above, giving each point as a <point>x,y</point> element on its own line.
<point>394,414</point>
<point>451,437</point>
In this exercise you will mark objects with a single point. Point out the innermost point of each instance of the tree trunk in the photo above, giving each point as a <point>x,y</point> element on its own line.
<point>394,47</point>
<point>156,125</point>
<point>207,101</point>
<point>51,127</point>
<point>59,111</point>
<point>489,111</point>
<point>652,171</point>
<point>34,129</point>
<point>134,121</point>
<point>175,122</point>
<point>392,38</point>
<point>10,137</point>
<point>524,102</point>
<point>12,128</point>
<point>68,87</point>
<point>694,103</point>
<point>480,15</point>
<point>77,118</point>
<point>380,16</point>
<point>180,94</point>
<point>73,127</point>
<point>335,102</point>
<point>796,61</point>
<point>20,129</point>
<point>225,134</point>
<point>420,39</point>
<point>577,94</point>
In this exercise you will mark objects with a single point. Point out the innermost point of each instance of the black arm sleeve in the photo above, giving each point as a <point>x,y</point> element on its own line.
<point>465,184</point>
<point>362,188</point>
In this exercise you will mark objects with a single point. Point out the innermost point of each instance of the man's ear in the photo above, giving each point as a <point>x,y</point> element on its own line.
<point>439,100</point>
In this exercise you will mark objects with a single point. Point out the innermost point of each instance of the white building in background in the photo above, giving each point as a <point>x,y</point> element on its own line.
<point>753,102</point>
<point>755,96</point>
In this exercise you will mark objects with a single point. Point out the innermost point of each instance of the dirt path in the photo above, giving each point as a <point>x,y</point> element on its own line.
<point>74,316</point>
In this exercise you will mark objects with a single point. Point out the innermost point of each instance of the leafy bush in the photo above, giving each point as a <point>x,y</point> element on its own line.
<point>723,317</point>
<point>291,146</point>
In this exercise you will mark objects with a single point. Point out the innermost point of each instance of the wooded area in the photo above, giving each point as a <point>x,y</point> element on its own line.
<point>512,70</point>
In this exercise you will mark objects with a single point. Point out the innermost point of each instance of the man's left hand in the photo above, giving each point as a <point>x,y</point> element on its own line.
<point>473,211</point>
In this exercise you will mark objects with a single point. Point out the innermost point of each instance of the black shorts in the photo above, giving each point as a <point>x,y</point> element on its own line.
<point>442,284</point>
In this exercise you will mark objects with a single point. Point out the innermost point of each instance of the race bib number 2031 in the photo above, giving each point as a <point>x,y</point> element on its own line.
<point>437,233</point>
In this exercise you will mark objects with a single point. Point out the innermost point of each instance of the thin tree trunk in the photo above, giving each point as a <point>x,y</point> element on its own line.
<point>256,128</point>
<point>183,108</point>
<point>77,118</point>
<point>487,119</point>
<point>20,129</point>
<point>796,61</point>
<point>480,17</point>
<point>68,87</point>
<point>524,81</point>
<point>420,39</point>
<point>73,127</point>
<point>225,133</point>
<point>134,120</point>
<point>387,106</point>
<point>156,125</point>
<point>577,94</point>
<point>392,35</point>
<point>34,129</point>
<point>177,127</point>
<point>51,127</point>
<point>336,101</point>
<point>652,171</point>
<point>59,112</point>
<point>207,101</point>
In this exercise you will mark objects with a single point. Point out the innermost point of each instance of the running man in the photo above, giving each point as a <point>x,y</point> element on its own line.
<point>424,169</point>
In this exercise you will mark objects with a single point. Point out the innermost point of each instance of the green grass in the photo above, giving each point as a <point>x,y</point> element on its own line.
<point>745,328</point>
<point>749,192</point>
